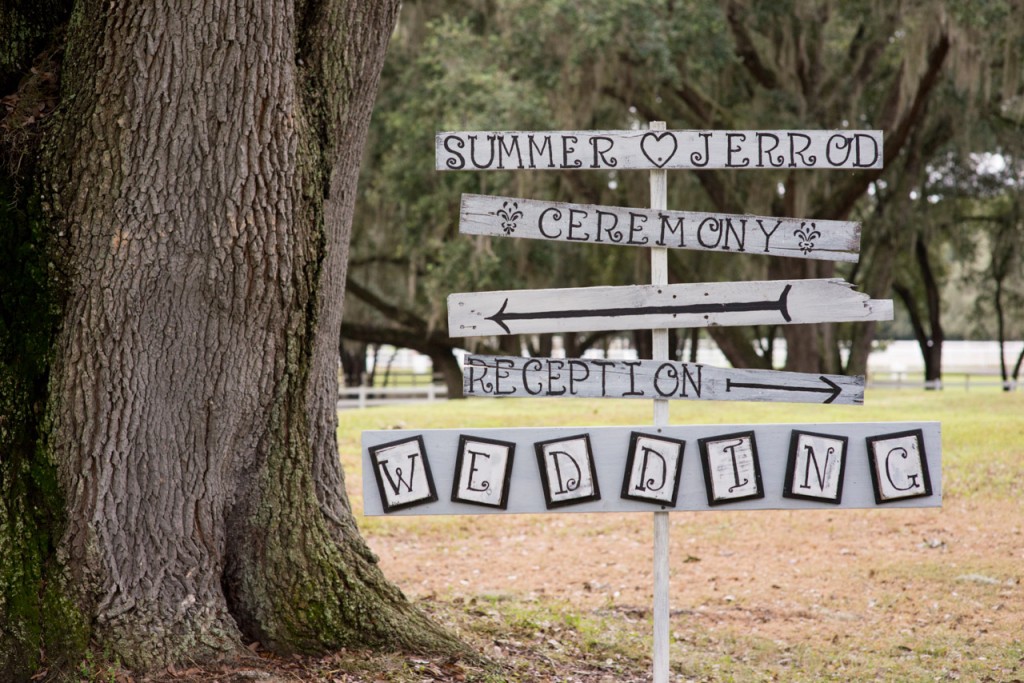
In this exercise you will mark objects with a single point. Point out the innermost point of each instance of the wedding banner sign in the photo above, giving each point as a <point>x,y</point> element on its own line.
<point>639,469</point>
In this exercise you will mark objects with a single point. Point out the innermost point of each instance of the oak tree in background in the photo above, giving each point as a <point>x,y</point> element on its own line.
<point>454,66</point>
<point>175,199</point>
<point>926,72</point>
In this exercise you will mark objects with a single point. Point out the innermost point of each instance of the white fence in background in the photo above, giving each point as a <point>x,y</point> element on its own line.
<point>363,397</point>
<point>966,381</point>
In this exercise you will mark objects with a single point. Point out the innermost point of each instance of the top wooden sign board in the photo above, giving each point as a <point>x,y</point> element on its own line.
<point>648,150</point>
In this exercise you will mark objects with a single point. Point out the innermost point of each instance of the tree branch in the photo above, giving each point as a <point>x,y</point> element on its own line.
<point>746,50</point>
<point>376,258</point>
<point>428,344</point>
<point>907,297</point>
<point>862,56</point>
<point>707,111</point>
<point>392,311</point>
<point>897,132</point>
<point>721,194</point>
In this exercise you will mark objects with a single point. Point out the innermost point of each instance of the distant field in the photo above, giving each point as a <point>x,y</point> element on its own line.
<point>858,595</point>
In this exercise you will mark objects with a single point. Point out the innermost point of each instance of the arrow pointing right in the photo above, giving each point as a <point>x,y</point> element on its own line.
<point>831,388</point>
<point>510,376</point>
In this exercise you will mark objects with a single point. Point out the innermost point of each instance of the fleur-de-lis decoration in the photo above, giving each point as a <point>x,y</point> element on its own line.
<point>509,213</point>
<point>807,237</point>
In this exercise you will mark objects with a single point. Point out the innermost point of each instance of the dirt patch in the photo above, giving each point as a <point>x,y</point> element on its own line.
<point>928,583</point>
<point>876,595</point>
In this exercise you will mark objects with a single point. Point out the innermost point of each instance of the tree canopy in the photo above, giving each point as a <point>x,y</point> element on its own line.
<point>934,76</point>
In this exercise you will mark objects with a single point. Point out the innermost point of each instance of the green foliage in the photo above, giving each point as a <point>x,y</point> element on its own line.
<point>938,77</point>
<point>94,669</point>
<point>512,69</point>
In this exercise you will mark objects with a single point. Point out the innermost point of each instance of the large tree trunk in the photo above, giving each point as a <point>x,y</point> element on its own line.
<point>445,362</point>
<point>929,340</point>
<point>200,178</point>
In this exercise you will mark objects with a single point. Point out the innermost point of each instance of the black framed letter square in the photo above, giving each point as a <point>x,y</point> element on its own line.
<point>816,467</point>
<point>567,471</point>
<point>483,469</point>
<point>899,468</point>
<point>403,473</point>
<point>653,467</point>
<point>732,471</point>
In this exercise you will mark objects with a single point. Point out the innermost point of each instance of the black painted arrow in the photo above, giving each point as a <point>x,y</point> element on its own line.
<point>833,389</point>
<point>779,305</point>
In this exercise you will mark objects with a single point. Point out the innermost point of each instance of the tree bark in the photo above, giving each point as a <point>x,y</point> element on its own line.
<point>1004,372</point>
<point>200,181</point>
<point>933,346</point>
<point>1016,370</point>
<point>444,361</point>
<point>930,345</point>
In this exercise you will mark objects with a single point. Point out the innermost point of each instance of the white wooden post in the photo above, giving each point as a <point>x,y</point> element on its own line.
<point>659,344</point>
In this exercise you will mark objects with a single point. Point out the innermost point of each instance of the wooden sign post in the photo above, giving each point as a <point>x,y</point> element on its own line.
<point>659,353</point>
<point>662,467</point>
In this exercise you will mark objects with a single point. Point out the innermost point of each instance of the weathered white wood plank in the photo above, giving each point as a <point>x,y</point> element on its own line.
<point>591,224</point>
<point>801,466</point>
<point>773,302</point>
<point>514,376</point>
<point>647,149</point>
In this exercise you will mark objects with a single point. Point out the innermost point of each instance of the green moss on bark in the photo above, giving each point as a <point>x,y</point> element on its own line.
<point>39,626</point>
<point>299,583</point>
<point>297,588</point>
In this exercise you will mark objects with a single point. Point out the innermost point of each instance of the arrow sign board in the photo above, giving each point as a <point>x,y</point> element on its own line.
<point>676,149</point>
<point>773,302</point>
<point>512,376</point>
<point>636,469</point>
<point>588,224</point>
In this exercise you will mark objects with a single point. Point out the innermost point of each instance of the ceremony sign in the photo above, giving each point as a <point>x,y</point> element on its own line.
<point>727,233</point>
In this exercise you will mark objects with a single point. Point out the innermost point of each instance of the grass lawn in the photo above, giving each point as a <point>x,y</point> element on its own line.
<point>888,595</point>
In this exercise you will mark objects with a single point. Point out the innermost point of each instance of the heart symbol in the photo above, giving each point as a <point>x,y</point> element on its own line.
<point>659,148</point>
